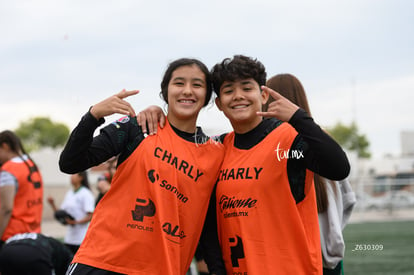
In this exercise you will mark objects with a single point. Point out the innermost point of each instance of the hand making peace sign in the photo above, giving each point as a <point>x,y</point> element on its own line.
<point>281,108</point>
<point>114,105</point>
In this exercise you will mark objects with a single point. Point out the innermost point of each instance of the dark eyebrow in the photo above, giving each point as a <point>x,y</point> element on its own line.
<point>247,82</point>
<point>178,78</point>
<point>183,79</point>
<point>198,79</point>
<point>227,85</point>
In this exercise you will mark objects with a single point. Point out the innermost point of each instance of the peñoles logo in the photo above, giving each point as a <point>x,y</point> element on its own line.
<point>143,208</point>
<point>141,211</point>
<point>237,251</point>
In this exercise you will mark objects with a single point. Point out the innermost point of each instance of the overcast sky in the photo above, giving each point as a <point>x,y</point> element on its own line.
<point>355,58</point>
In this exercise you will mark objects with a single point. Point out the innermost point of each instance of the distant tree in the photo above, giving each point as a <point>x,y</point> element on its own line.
<point>349,138</point>
<point>40,132</point>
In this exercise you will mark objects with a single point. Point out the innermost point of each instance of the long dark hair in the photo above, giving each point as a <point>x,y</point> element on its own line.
<point>15,144</point>
<point>290,87</point>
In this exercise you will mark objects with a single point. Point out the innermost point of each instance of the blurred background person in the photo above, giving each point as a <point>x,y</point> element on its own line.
<point>104,180</point>
<point>76,210</point>
<point>21,189</point>
<point>335,200</point>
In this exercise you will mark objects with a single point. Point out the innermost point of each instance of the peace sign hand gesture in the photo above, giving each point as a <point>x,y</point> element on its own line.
<point>281,108</point>
<point>114,104</point>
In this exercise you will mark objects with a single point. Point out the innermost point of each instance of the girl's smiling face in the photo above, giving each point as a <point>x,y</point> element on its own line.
<point>186,94</point>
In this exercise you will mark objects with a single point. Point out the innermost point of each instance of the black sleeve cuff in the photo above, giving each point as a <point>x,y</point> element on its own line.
<point>89,117</point>
<point>298,117</point>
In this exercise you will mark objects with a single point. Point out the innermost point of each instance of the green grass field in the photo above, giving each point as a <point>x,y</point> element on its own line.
<point>379,248</point>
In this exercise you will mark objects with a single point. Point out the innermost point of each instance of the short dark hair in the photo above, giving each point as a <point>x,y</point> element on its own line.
<point>185,62</point>
<point>237,68</point>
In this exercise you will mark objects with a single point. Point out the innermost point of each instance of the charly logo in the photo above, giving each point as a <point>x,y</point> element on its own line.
<point>241,173</point>
<point>181,165</point>
<point>287,153</point>
<point>236,251</point>
<point>154,177</point>
<point>141,211</point>
<point>123,119</point>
